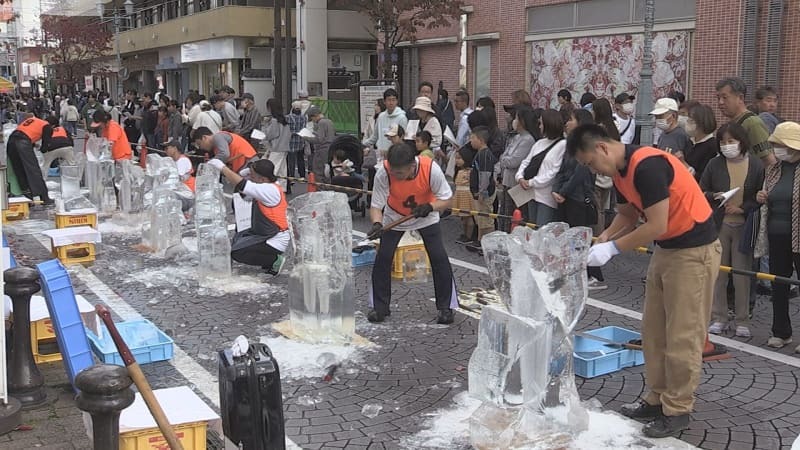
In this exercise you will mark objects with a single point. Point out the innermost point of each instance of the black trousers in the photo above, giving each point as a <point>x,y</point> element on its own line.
<point>443,285</point>
<point>296,160</point>
<point>262,255</point>
<point>781,262</point>
<point>26,166</point>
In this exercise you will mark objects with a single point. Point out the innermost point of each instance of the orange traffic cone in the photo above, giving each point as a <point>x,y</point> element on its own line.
<point>516,218</point>
<point>714,352</point>
<point>143,156</point>
<point>312,179</point>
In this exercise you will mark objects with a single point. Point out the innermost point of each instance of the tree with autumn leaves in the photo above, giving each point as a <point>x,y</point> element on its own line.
<point>72,44</point>
<point>399,20</point>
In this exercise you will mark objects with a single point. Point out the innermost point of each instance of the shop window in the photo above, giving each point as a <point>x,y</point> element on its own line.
<point>666,10</point>
<point>603,12</point>
<point>551,17</point>
<point>483,71</point>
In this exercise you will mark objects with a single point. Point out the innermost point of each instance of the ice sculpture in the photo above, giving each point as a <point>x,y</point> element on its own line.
<point>522,365</point>
<point>130,183</point>
<point>71,197</point>
<point>213,243</point>
<point>164,228</point>
<point>162,171</point>
<point>321,301</point>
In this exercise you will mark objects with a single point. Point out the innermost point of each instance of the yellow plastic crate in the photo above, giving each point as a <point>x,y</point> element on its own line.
<point>74,253</point>
<point>42,334</point>
<point>399,254</point>
<point>191,435</point>
<point>16,211</point>
<point>76,220</point>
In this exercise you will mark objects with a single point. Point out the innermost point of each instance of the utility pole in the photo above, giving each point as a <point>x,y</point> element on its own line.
<point>277,52</point>
<point>287,59</point>
<point>644,99</point>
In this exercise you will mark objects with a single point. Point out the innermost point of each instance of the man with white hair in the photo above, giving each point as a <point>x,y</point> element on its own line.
<point>302,96</point>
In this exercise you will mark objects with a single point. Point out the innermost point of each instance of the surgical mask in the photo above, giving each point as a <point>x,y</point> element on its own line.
<point>662,124</point>
<point>514,124</point>
<point>682,121</point>
<point>730,150</point>
<point>690,128</point>
<point>784,154</point>
<point>627,108</point>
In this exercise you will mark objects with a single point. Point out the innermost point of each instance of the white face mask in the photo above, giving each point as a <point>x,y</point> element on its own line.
<point>662,124</point>
<point>682,121</point>
<point>514,124</point>
<point>730,150</point>
<point>690,128</point>
<point>627,108</point>
<point>784,154</point>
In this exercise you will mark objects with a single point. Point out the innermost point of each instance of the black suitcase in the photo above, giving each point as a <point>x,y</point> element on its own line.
<point>250,399</point>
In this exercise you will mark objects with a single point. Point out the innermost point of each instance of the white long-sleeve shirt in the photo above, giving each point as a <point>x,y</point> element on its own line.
<point>542,183</point>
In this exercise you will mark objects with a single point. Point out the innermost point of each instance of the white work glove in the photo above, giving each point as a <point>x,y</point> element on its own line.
<point>215,163</point>
<point>600,254</point>
<point>244,173</point>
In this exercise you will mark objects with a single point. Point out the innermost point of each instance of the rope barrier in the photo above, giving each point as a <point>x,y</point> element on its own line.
<point>727,269</point>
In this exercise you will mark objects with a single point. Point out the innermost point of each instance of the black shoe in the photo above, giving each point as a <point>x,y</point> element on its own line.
<point>640,410</point>
<point>375,317</point>
<point>665,426</point>
<point>474,246</point>
<point>445,317</point>
<point>794,292</point>
<point>763,290</point>
<point>48,202</point>
<point>463,240</point>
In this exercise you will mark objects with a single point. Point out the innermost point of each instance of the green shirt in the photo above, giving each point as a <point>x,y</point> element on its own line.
<point>757,133</point>
<point>88,111</point>
<point>427,152</point>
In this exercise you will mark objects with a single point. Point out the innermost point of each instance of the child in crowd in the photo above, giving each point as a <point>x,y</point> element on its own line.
<point>423,143</point>
<point>481,183</point>
<point>463,197</point>
<point>342,167</point>
<point>395,133</point>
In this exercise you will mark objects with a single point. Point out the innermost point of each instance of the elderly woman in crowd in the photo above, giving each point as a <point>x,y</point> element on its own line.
<point>780,225</point>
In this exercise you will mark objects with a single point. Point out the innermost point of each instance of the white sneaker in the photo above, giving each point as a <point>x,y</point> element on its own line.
<point>742,331</point>
<point>776,342</point>
<point>717,327</point>
<point>596,285</point>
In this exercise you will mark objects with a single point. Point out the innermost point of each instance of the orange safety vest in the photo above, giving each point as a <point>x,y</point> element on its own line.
<point>276,214</point>
<point>120,147</point>
<point>33,128</point>
<point>190,182</point>
<point>405,195</point>
<point>687,204</point>
<point>59,132</point>
<point>241,152</point>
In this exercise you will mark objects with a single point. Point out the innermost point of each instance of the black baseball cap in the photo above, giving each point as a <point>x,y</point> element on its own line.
<point>171,143</point>
<point>624,97</point>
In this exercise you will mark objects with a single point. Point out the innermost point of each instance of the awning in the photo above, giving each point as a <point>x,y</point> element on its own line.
<point>6,85</point>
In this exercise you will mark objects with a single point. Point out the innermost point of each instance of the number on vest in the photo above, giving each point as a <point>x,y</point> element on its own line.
<point>27,122</point>
<point>410,202</point>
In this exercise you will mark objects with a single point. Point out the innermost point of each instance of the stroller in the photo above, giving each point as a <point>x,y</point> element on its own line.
<point>353,150</point>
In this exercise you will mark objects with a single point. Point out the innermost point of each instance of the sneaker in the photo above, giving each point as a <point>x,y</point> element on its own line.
<point>742,331</point>
<point>275,270</point>
<point>665,426</point>
<point>640,410</point>
<point>375,317</point>
<point>596,285</point>
<point>445,317</point>
<point>717,327</point>
<point>776,342</point>
<point>463,240</point>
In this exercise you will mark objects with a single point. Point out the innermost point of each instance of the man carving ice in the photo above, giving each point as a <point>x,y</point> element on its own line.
<point>408,185</point>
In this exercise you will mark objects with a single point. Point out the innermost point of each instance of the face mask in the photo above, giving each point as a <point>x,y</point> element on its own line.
<point>627,108</point>
<point>662,124</point>
<point>784,154</point>
<point>691,129</point>
<point>730,150</point>
<point>514,124</point>
<point>682,121</point>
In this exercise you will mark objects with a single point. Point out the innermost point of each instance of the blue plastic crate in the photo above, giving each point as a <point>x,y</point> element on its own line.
<point>594,358</point>
<point>365,258</point>
<point>66,318</point>
<point>53,172</point>
<point>147,343</point>
<point>12,261</point>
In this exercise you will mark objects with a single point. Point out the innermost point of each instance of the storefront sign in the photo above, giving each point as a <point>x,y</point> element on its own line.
<point>213,50</point>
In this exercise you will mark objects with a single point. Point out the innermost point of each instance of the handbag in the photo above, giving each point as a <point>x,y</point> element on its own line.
<point>536,162</point>
<point>747,242</point>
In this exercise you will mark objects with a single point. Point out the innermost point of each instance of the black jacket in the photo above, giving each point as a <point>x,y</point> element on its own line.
<point>716,179</point>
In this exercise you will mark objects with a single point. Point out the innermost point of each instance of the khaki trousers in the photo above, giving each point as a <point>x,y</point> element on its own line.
<point>678,296</point>
<point>731,256</point>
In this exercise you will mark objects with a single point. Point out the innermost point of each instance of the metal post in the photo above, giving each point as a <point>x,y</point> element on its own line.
<point>277,50</point>
<point>104,393</point>
<point>644,98</point>
<point>25,382</point>
<point>119,57</point>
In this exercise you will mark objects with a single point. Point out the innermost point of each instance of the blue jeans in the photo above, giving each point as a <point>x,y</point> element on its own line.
<point>540,213</point>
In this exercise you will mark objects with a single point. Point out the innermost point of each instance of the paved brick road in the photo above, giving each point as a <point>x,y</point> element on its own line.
<point>745,402</point>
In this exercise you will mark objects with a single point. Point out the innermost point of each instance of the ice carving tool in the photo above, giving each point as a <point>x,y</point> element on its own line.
<point>387,227</point>
<point>608,342</point>
<point>139,379</point>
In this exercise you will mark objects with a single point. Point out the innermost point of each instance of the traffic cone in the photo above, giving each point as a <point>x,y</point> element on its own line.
<point>143,156</point>
<point>516,218</point>
<point>714,352</point>
<point>311,180</point>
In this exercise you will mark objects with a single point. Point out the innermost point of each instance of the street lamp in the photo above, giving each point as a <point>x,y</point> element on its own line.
<point>128,11</point>
<point>644,98</point>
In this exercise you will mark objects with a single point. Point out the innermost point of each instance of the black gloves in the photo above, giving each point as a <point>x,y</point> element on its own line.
<point>376,231</point>
<point>422,210</point>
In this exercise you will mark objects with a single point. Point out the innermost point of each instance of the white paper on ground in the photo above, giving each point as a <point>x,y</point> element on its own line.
<point>243,210</point>
<point>306,133</point>
<point>258,134</point>
<point>39,309</point>
<point>520,195</point>
<point>180,404</point>
<point>73,235</point>
<point>727,196</point>
<point>411,129</point>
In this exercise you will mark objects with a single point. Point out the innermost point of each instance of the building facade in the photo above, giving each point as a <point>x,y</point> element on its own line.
<point>595,46</point>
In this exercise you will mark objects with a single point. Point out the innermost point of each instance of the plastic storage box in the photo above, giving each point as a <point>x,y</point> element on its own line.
<point>16,211</point>
<point>147,343</point>
<point>364,258</point>
<point>66,317</point>
<point>400,259</point>
<point>75,253</point>
<point>594,358</point>
<point>65,220</point>
<point>191,435</point>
